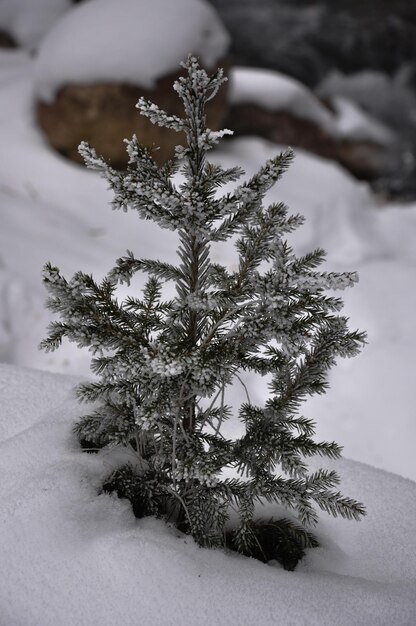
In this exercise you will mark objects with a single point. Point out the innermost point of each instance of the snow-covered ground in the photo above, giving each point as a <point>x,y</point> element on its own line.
<point>69,557</point>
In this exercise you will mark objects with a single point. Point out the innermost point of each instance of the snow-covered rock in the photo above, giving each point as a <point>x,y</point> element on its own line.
<point>385,97</point>
<point>277,92</point>
<point>104,55</point>
<point>281,109</point>
<point>127,41</point>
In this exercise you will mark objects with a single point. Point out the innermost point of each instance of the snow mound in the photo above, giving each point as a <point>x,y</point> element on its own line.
<point>277,92</point>
<point>132,41</point>
<point>71,556</point>
<point>29,20</point>
<point>390,99</point>
<point>354,123</point>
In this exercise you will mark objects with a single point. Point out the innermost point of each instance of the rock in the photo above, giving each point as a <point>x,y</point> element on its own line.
<point>104,114</point>
<point>103,55</point>
<point>310,39</point>
<point>364,158</point>
<point>283,110</point>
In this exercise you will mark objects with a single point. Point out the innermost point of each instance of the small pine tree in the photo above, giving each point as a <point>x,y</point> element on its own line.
<point>163,366</point>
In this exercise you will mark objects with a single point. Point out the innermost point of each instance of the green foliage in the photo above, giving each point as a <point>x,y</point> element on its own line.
<point>279,540</point>
<point>163,367</point>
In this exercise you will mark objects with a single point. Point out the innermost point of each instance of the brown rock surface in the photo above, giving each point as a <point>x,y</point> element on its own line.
<point>104,114</point>
<point>364,158</point>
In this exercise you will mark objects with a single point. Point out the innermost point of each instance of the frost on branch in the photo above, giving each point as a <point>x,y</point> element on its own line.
<point>163,368</point>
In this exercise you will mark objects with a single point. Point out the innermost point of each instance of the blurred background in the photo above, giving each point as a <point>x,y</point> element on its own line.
<point>364,50</point>
<point>361,51</point>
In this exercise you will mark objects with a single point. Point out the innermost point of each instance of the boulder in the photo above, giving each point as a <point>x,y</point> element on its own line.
<point>364,158</point>
<point>310,39</point>
<point>103,55</point>
<point>283,110</point>
<point>104,114</point>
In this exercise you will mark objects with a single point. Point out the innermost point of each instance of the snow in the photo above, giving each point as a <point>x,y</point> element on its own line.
<point>391,99</point>
<point>354,123</point>
<point>276,92</point>
<point>103,40</point>
<point>70,556</point>
<point>29,20</point>
<point>369,408</point>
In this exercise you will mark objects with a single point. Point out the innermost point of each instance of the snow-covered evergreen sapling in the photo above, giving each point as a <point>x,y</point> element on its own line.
<point>163,367</point>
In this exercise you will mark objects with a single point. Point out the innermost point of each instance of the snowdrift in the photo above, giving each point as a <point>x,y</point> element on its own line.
<point>70,556</point>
